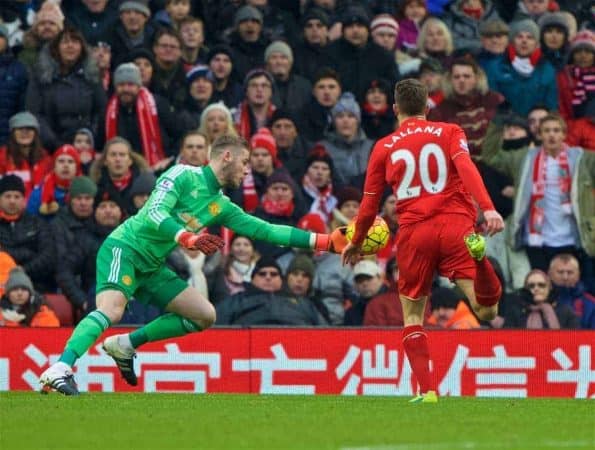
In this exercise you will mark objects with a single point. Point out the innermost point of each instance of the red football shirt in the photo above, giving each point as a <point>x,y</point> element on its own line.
<point>428,166</point>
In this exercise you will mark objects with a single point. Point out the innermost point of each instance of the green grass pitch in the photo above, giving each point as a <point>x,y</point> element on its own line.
<point>186,421</point>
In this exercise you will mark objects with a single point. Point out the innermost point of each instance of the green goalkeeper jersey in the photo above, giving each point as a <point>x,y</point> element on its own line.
<point>190,198</point>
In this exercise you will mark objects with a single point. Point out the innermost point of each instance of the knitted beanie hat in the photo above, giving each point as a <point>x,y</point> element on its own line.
<point>49,205</point>
<point>304,263</point>
<point>278,47</point>
<point>264,139</point>
<point>17,278</point>
<point>51,12</point>
<point>12,182</point>
<point>347,103</point>
<point>384,23</point>
<point>82,185</point>
<point>526,25</point>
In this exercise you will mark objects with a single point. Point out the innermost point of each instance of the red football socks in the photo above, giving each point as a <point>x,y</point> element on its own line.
<point>488,289</point>
<point>415,344</point>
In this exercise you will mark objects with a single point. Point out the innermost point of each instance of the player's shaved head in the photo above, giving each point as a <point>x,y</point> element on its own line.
<point>228,142</point>
<point>411,97</point>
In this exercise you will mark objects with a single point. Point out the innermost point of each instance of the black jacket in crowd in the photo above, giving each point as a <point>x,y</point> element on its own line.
<point>65,103</point>
<point>247,55</point>
<point>31,244</point>
<point>257,307</point>
<point>358,67</point>
<point>308,59</point>
<point>75,273</point>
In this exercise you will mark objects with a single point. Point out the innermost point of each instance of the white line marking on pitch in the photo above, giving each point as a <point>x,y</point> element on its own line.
<point>473,445</point>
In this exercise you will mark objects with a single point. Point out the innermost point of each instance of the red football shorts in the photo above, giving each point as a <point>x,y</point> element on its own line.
<point>435,245</point>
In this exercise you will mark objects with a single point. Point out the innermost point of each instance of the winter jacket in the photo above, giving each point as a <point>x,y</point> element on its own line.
<point>256,307</point>
<point>171,85</point>
<point>13,86</point>
<point>377,126</point>
<point>517,312</point>
<point>581,133</point>
<point>43,317</point>
<point>519,166</point>
<point>247,55</point>
<point>315,120</point>
<point>292,94</point>
<point>34,202</point>
<point>65,103</point>
<point>30,243</point>
<point>94,26</point>
<point>473,113</point>
<point>333,285</point>
<point>169,124</point>
<point>354,316</point>
<point>76,248</point>
<point>121,45</point>
<point>359,66</point>
<point>463,319</point>
<point>524,92</point>
<point>385,310</point>
<point>294,159</point>
<point>231,96</point>
<point>350,159</point>
<point>105,183</point>
<point>308,59</point>
<point>580,302</point>
<point>465,29</point>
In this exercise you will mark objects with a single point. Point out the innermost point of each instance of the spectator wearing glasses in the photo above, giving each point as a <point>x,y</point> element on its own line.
<point>264,303</point>
<point>169,77</point>
<point>536,306</point>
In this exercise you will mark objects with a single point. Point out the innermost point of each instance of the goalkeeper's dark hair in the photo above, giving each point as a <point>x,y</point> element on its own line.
<point>227,141</point>
<point>411,97</point>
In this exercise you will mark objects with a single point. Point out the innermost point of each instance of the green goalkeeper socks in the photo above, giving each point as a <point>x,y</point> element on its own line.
<point>167,326</point>
<point>84,336</point>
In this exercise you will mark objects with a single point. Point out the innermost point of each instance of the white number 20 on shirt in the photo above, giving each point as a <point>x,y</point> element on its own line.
<point>405,190</point>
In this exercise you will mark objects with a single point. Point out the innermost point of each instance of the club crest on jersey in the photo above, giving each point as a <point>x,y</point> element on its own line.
<point>127,280</point>
<point>214,209</point>
<point>190,222</point>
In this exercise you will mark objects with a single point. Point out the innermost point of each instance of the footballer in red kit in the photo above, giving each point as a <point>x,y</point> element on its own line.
<point>428,166</point>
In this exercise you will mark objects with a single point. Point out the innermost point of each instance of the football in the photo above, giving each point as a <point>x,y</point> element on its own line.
<point>376,239</point>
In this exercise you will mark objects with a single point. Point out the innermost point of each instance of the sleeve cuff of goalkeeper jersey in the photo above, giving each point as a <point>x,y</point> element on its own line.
<point>321,242</point>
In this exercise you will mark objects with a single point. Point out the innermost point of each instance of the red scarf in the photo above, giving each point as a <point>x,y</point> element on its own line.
<point>276,208</point>
<point>474,13</point>
<point>249,193</point>
<point>584,84</point>
<point>243,126</point>
<point>148,124</point>
<point>524,65</point>
<point>324,202</point>
<point>9,217</point>
<point>49,205</point>
<point>31,176</point>
<point>536,214</point>
<point>370,110</point>
<point>123,182</point>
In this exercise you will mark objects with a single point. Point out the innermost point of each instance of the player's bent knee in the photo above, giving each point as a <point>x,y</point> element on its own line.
<point>206,318</point>
<point>114,312</point>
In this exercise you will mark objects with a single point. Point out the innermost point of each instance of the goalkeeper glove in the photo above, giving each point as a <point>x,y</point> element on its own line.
<point>206,243</point>
<point>334,242</point>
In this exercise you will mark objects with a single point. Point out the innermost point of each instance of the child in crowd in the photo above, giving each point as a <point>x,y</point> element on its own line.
<point>85,143</point>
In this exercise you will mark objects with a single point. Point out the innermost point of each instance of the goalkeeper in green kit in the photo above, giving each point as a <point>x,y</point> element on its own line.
<point>130,262</point>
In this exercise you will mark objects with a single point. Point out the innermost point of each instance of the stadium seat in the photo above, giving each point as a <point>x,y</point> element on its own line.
<point>62,307</point>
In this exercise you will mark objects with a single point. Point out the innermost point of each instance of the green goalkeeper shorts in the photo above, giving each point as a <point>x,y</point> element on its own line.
<point>119,267</point>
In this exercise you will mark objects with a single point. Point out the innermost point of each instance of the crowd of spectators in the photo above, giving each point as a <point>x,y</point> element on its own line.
<point>99,97</point>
